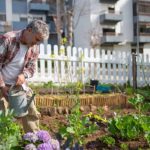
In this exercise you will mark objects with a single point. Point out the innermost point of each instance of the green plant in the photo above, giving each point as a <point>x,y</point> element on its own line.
<point>74,88</point>
<point>139,104</point>
<point>147,137</point>
<point>144,92</point>
<point>110,141</point>
<point>10,131</point>
<point>100,111</point>
<point>49,84</point>
<point>126,127</point>
<point>129,90</point>
<point>78,127</point>
<point>145,124</point>
<point>124,146</point>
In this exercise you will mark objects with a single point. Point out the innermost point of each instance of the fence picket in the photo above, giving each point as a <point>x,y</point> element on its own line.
<point>62,64</point>
<point>75,56</point>
<point>56,67</point>
<point>97,64</point>
<point>42,61</point>
<point>148,69</point>
<point>108,67</point>
<point>71,64</point>
<point>124,55</point>
<point>49,63</point>
<point>120,68</point>
<point>86,65</point>
<point>92,68</point>
<point>114,67</point>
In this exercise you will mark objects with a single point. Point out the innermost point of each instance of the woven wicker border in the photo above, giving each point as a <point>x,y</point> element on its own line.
<point>85,100</point>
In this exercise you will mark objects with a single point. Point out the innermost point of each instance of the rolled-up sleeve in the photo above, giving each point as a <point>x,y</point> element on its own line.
<point>3,49</point>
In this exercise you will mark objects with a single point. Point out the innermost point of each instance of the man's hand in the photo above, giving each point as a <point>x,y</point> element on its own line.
<point>20,79</point>
<point>4,91</point>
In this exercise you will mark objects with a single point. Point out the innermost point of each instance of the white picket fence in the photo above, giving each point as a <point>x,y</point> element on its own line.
<point>69,64</point>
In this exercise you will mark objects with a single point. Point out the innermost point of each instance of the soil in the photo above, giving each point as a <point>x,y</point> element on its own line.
<point>52,123</point>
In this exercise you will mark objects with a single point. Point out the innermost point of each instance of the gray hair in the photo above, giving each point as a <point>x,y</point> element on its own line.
<point>39,26</point>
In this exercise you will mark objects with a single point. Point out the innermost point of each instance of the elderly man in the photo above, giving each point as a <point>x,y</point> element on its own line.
<point>19,51</point>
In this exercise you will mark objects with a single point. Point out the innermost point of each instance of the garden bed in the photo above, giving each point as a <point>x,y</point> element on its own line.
<point>56,109</point>
<point>62,104</point>
<point>53,123</point>
<point>115,99</point>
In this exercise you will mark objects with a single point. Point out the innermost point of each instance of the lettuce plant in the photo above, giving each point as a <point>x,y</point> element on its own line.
<point>125,127</point>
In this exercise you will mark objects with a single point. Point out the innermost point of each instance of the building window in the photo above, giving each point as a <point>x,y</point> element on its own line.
<point>111,9</point>
<point>2,17</point>
<point>38,18</point>
<point>144,7</point>
<point>23,19</point>
<point>144,28</point>
<point>107,31</point>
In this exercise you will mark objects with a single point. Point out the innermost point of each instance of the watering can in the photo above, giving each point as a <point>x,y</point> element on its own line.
<point>18,101</point>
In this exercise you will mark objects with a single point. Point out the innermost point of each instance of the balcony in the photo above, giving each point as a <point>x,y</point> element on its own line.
<point>108,1</point>
<point>110,38</point>
<point>110,18</point>
<point>144,17</point>
<point>39,7</point>
<point>143,37</point>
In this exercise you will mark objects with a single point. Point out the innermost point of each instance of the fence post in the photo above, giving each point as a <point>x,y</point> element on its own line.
<point>134,70</point>
<point>129,58</point>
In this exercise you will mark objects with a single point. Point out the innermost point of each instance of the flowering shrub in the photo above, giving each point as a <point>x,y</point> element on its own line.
<point>40,140</point>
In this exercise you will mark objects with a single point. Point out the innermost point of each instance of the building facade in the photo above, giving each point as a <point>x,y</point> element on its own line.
<point>113,24</point>
<point>16,14</point>
<point>106,24</point>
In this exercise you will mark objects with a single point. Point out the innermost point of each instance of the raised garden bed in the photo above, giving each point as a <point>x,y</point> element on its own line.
<point>53,104</point>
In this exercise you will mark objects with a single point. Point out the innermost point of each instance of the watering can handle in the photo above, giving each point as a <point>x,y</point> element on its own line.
<point>11,87</point>
<point>30,101</point>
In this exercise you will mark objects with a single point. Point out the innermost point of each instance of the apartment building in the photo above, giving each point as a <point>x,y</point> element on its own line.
<point>107,24</point>
<point>113,24</point>
<point>16,14</point>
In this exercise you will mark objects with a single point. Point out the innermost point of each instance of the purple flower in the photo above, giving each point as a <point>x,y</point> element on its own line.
<point>45,146</point>
<point>43,136</point>
<point>30,147</point>
<point>55,144</point>
<point>31,137</point>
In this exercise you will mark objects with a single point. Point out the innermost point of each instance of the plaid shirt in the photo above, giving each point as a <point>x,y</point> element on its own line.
<point>9,46</point>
